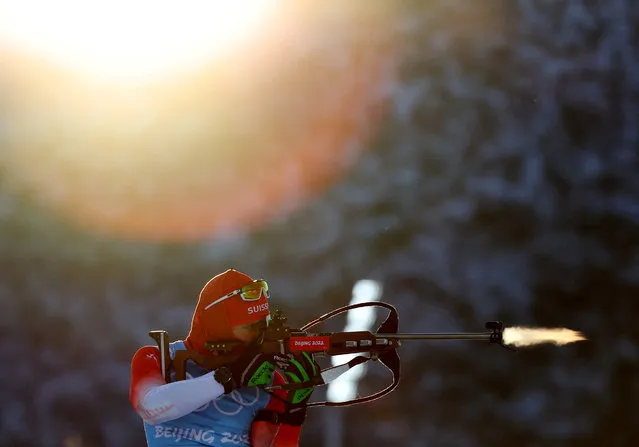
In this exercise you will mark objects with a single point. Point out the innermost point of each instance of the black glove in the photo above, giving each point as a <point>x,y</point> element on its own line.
<point>251,368</point>
<point>300,367</point>
<point>293,368</point>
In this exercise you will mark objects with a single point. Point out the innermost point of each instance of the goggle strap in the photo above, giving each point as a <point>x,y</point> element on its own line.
<point>219,300</point>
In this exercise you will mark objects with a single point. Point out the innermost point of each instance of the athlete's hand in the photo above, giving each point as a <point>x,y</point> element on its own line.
<point>280,423</point>
<point>251,368</point>
<point>297,368</point>
<point>254,368</point>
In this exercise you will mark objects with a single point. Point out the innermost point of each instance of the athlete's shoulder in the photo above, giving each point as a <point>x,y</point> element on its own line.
<point>145,371</point>
<point>147,354</point>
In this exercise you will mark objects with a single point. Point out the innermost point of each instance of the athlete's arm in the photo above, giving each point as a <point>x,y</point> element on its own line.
<point>157,401</point>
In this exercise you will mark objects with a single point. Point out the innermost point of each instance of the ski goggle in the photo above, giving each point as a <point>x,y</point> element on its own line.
<point>250,292</point>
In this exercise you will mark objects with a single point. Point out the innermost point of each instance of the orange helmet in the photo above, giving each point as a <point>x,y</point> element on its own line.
<point>219,310</point>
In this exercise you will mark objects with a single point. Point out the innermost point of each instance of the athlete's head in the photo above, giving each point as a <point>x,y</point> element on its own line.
<point>231,306</point>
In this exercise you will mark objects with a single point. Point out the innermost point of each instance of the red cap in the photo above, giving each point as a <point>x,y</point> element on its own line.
<point>217,322</point>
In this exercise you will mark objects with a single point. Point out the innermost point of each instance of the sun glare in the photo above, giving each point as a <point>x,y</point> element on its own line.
<point>150,135</point>
<point>129,40</point>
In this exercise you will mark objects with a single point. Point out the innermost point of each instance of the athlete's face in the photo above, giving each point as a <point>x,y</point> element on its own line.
<point>248,333</point>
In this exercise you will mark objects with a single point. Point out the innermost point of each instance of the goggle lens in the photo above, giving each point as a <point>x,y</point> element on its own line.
<point>253,291</point>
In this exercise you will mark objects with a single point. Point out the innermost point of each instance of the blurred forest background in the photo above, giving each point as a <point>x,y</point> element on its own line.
<point>478,158</point>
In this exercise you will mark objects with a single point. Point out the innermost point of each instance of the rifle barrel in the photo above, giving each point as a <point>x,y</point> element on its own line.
<point>439,336</point>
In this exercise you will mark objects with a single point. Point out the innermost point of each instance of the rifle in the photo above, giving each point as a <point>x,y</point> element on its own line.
<point>278,338</point>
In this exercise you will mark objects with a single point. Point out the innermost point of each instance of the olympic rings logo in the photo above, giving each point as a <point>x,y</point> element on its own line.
<point>229,408</point>
<point>232,406</point>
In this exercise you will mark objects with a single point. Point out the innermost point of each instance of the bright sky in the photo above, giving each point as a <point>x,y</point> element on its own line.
<point>130,40</point>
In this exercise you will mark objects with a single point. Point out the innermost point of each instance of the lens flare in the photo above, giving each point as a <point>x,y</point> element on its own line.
<point>528,336</point>
<point>222,150</point>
